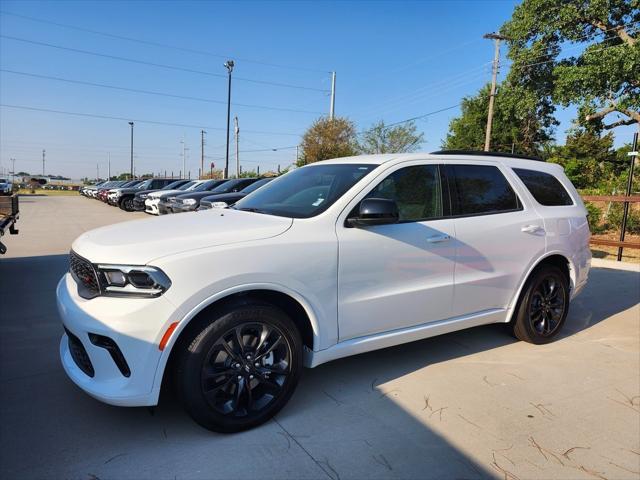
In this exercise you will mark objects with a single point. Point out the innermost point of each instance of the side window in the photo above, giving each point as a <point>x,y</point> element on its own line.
<point>481,189</point>
<point>544,187</point>
<point>416,190</point>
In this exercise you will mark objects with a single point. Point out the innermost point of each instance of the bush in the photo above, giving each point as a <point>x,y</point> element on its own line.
<point>594,215</point>
<point>614,218</point>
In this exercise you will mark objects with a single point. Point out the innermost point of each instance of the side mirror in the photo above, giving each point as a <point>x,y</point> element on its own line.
<point>375,211</point>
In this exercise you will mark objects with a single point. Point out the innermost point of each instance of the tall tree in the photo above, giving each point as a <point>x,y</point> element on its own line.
<point>601,73</point>
<point>400,138</point>
<point>520,122</point>
<point>327,139</point>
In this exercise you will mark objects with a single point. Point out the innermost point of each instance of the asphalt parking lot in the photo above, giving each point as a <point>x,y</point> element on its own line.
<point>474,404</point>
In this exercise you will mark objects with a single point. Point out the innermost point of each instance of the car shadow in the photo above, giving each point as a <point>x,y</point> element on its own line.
<point>342,422</point>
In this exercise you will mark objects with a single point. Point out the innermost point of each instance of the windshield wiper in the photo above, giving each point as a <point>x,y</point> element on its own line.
<point>250,209</point>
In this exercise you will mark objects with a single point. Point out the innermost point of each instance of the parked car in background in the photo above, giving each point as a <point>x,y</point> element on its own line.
<point>223,200</point>
<point>126,196</point>
<point>152,199</point>
<point>103,190</point>
<point>167,202</point>
<point>188,202</point>
<point>141,195</point>
<point>6,187</point>
<point>87,188</point>
<point>332,259</point>
<point>114,193</point>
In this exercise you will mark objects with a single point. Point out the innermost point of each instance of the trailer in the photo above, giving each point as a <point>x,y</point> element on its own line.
<point>9,214</point>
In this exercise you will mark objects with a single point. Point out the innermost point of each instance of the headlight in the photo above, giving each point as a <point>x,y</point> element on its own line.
<point>219,205</point>
<point>189,201</point>
<point>143,195</point>
<point>132,281</point>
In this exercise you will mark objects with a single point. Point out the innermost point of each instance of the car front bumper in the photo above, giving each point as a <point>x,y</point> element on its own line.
<point>165,208</point>
<point>139,204</point>
<point>151,206</point>
<point>136,326</point>
<point>182,208</point>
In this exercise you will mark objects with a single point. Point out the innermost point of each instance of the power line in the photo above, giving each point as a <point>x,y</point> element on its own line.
<point>153,122</point>
<point>151,92</point>
<point>162,45</point>
<point>159,65</point>
<point>417,117</point>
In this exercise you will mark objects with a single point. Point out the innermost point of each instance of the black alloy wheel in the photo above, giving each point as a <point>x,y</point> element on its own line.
<point>547,306</point>
<point>236,366</point>
<point>543,305</point>
<point>246,369</point>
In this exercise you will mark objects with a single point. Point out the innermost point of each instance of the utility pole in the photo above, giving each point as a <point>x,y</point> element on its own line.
<point>184,157</point>
<point>43,153</point>
<point>202,132</point>
<point>332,106</point>
<point>237,132</point>
<point>131,124</point>
<point>97,172</point>
<point>229,66</point>
<point>496,61</point>
<point>634,155</point>
<point>108,165</point>
<point>13,169</point>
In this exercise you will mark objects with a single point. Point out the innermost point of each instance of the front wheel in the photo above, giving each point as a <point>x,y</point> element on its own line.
<point>126,204</point>
<point>543,306</point>
<point>239,367</point>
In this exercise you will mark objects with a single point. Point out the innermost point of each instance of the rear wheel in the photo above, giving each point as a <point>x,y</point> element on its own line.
<point>239,367</point>
<point>543,306</point>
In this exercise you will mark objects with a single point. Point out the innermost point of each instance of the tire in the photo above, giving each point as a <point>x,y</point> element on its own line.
<point>543,306</point>
<point>224,391</point>
<point>126,204</point>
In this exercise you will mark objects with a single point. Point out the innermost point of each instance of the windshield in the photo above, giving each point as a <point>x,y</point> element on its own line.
<point>175,185</point>
<point>227,186</point>
<point>186,186</point>
<point>3,180</point>
<point>306,191</point>
<point>256,185</point>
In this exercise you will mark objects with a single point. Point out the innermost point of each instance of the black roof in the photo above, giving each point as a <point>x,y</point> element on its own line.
<point>486,154</point>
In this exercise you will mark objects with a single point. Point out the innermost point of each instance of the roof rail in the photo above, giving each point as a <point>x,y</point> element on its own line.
<point>486,154</point>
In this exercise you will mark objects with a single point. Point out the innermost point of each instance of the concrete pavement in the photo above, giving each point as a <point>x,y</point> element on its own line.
<point>474,404</point>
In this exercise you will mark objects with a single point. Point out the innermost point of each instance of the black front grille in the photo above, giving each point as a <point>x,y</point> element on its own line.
<point>79,354</point>
<point>84,274</point>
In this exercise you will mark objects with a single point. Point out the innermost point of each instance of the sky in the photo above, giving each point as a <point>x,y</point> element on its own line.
<point>393,61</point>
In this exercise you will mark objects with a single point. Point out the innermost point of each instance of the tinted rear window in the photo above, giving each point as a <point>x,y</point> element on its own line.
<point>481,189</point>
<point>545,188</point>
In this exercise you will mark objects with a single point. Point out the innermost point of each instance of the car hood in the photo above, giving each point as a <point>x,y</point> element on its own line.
<point>140,241</point>
<point>194,195</point>
<point>161,193</point>
<point>140,192</point>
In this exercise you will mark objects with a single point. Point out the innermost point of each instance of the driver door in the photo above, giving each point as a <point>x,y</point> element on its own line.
<point>398,275</point>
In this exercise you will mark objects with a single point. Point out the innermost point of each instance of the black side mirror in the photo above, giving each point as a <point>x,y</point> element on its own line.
<point>375,211</point>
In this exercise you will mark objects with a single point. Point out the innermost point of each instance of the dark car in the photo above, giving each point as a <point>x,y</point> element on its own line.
<point>152,199</point>
<point>125,200</point>
<point>140,197</point>
<point>227,199</point>
<point>188,202</point>
<point>167,203</point>
<point>113,193</point>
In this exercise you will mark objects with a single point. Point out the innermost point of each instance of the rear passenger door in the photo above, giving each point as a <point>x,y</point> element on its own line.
<point>497,233</point>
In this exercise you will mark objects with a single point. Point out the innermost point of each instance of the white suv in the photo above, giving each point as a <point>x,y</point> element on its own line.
<point>332,259</point>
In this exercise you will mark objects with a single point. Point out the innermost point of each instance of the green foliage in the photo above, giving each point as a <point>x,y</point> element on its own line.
<point>401,138</point>
<point>601,78</point>
<point>614,219</point>
<point>326,139</point>
<point>594,214</point>
<point>519,122</point>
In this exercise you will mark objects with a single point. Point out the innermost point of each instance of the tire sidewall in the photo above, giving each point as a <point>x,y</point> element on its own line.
<point>523,323</point>
<point>193,355</point>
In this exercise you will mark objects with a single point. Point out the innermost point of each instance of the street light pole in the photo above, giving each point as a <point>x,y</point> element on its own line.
<point>237,132</point>
<point>496,60</point>
<point>229,66</point>
<point>131,123</point>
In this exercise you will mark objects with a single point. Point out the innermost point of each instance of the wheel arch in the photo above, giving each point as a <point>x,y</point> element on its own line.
<point>289,301</point>
<point>557,259</point>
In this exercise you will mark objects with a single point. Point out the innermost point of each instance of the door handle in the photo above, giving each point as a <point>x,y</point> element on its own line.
<point>532,229</point>
<point>438,238</point>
